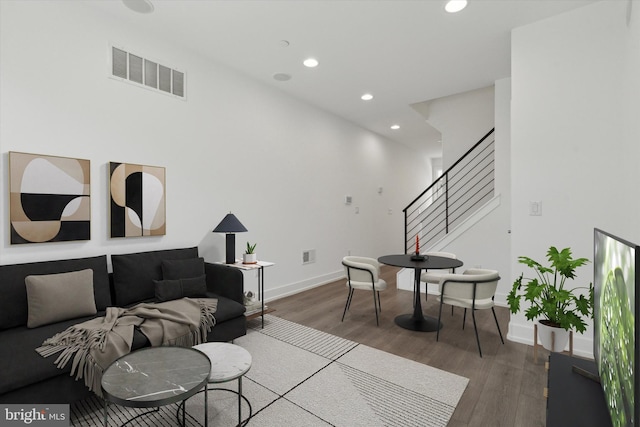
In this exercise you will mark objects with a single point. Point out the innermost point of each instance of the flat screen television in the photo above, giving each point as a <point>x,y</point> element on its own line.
<point>616,326</point>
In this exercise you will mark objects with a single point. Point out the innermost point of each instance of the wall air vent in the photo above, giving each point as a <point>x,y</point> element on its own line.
<point>149,74</point>
<point>308,256</point>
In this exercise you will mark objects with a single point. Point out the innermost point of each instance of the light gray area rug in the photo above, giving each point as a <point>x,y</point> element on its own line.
<point>306,377</point>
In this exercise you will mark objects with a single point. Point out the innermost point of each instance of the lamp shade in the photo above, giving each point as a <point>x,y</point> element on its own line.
<point>230,224</point>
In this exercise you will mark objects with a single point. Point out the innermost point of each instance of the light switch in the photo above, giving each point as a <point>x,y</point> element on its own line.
<point>535,208</point>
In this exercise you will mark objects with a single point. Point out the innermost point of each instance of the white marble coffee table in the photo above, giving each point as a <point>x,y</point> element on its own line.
<point>228,362</point>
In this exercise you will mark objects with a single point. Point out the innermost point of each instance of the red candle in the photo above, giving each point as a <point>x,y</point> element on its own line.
<point>417,245</point>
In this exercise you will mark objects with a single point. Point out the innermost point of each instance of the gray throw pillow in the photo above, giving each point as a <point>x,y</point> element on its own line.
<point>56,297</point>
<point>194,287</point>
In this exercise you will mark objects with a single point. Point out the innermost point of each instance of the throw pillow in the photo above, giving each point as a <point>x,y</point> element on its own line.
<point>133,274</point>
<point>56,297</point>
<point>182,268</point>
<point>194,287</point>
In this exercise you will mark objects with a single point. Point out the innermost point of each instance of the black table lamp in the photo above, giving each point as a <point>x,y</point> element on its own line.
<point>230,225</point>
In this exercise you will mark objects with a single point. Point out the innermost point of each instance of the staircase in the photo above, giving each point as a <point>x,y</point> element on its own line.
<point>459,192</point>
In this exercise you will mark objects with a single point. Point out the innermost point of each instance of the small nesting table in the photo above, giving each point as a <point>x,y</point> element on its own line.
<point>260,266</point>
<point>228,362</point>
<point>154,377</point>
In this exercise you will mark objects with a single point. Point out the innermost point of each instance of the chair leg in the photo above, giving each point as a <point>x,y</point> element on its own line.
<point>346,306</point>
<point>439,317</point>
<point>496,319</point>
<point>475,327</point>
<point>464,318</point>
<point>379,306</point>
<point>350,298</point>
<point>375,306</point>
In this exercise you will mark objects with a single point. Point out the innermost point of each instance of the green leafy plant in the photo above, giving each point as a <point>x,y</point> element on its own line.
<point>548,295</point>
<point>250,248</point>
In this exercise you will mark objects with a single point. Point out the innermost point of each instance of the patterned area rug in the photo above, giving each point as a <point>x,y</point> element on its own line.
<point>306,377</point>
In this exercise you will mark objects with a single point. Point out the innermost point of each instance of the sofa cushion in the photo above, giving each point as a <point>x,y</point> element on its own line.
<point>13,304</point>
<point>133,274</point>
<point>55,297</point>
<point>194,287</point>
<point>227,308</point>
<point>27,366</point>
<point>182,268</point>
<point>20,359</point>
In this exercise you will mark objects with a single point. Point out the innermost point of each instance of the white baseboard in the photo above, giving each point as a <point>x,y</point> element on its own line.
<point>520,333</point>
<point>582,345</point>
<point>466,224</point>
<point>404,279</point>
<point>294,288</point>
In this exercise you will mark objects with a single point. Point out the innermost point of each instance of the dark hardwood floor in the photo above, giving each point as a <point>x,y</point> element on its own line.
<point>505,385</point>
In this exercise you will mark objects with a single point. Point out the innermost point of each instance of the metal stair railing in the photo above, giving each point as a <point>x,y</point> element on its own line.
<point>454,196</point>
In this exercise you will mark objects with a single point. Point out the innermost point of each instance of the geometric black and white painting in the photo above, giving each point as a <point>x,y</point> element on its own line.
<point>137,200</point>
<point>49,198</point>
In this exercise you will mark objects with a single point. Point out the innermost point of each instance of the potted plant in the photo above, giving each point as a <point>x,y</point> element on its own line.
<point>249,256</point>
<point>560,308</point>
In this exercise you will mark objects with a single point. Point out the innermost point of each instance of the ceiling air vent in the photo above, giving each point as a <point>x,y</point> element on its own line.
<point>144,72</point>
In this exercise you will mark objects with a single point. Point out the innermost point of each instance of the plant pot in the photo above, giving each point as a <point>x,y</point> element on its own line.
<point>551,337</point>
<point>249,258</point>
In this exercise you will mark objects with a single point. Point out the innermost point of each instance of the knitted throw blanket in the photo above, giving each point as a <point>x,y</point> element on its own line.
<point>93,345</point>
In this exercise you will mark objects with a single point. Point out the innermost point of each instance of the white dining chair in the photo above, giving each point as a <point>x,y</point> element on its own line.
<point>474,289</point>
<point>363,273</point>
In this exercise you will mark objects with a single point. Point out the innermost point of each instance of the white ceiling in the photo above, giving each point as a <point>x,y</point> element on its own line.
<point>403,52</point>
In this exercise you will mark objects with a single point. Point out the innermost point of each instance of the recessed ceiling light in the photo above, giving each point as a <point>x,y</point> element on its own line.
<point>140,6</point>
<point>310,62</point>
<point>454,6</point>
<point>395,127</point>
<point>282,77</point>
<point>284,43</point>
<point>366,97</point>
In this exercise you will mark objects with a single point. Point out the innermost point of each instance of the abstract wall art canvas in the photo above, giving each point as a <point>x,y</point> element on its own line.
<point>49,198</point>
<point>137,201</point>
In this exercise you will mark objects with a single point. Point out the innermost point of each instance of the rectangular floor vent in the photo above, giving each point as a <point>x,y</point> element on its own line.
<point>147,73</point>
<point>308,256</point>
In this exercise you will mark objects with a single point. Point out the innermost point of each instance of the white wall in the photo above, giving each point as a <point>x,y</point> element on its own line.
<point>283,167</point>
<point>631,96</point>
<point>486,244</point>
<point>484,239</point>
<point>462,119</point>
<point>574,137</point>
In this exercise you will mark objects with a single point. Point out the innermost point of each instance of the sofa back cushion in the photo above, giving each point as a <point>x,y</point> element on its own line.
<point>133,274</point>
<point>13,304</point>
<point>173,269</point>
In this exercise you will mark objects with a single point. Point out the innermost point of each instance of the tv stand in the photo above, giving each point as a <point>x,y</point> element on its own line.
<point>574,399</point>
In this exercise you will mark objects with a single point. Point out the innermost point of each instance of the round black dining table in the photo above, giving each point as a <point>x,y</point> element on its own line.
<point>417,321</point>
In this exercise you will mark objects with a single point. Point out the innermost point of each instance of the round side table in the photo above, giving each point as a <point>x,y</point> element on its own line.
<point>155,376</point>
<point>228,362</point>
<point>417,321</point>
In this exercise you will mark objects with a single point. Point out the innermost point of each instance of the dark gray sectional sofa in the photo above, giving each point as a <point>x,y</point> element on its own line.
<point>27,377</point>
